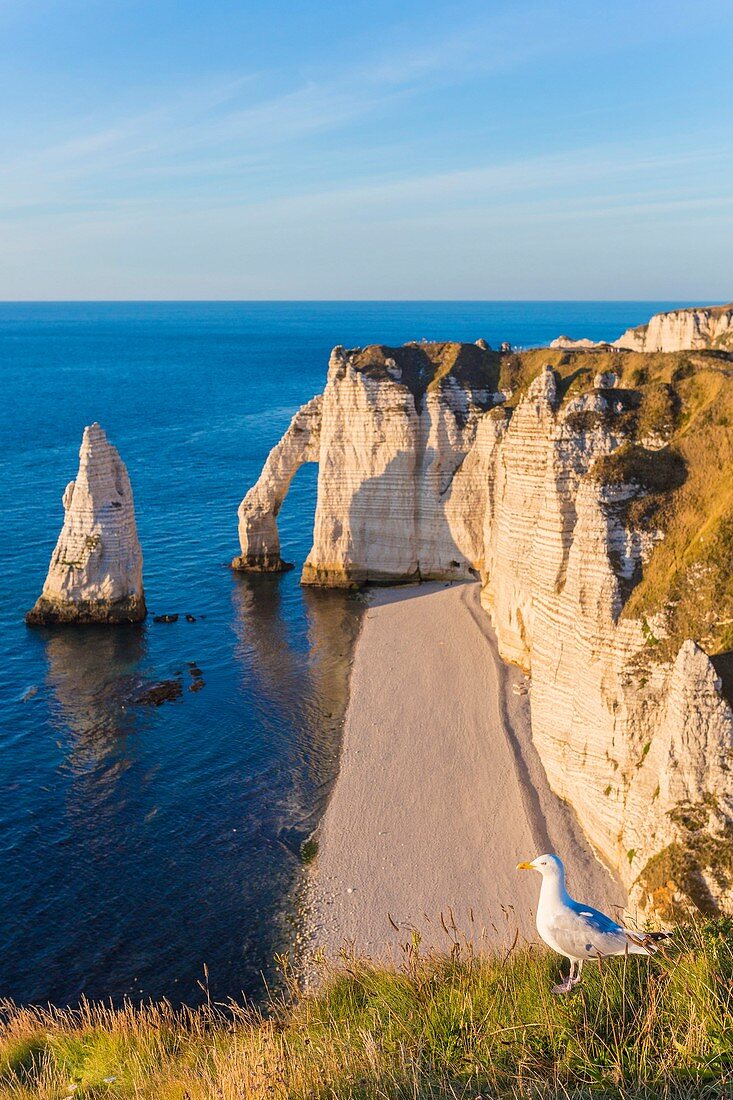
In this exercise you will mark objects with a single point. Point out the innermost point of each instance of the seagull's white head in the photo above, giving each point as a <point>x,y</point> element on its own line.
<point>549,866</point>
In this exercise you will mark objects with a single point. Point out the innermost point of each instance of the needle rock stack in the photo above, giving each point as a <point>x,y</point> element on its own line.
<point>95,575</point>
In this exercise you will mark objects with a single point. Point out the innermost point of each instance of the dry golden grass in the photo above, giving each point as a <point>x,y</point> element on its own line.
<point>686,398</point>
<point>451,1026</point>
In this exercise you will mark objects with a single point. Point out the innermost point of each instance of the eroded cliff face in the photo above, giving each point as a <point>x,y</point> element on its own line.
<point>683,330</point>
<point>95,574</point>
<point>425,473</point>
<point>397,425</point>
<point>693,329</point>
<point>389,433</point>
<point>632,743</point>
<point>258,534</point>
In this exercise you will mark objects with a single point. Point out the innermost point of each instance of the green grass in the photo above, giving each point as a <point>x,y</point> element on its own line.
<point>448,1026</point>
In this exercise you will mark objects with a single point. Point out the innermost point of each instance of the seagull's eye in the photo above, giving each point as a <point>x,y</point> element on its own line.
<point>544,863</point>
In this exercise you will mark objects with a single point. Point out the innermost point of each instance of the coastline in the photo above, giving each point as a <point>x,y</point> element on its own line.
<point>440,791</point>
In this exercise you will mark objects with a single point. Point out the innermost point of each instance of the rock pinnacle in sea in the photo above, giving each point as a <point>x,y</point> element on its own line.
<point>96,569</point>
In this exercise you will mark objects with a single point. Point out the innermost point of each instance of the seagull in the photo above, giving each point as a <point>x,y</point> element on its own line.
<point>580,932</point>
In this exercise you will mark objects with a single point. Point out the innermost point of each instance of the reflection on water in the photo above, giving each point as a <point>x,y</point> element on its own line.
<point>142,843</point>
<point>94,678</point>
<point>303,687</point>
<point>93,674</point>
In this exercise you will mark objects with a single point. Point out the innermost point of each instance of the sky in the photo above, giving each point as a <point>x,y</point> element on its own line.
<point>333,149</point>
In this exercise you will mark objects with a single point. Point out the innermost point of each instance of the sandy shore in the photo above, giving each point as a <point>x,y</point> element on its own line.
<point>440,790</point>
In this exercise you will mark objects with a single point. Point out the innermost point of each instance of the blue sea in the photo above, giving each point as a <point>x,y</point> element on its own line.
<point>150,852</point>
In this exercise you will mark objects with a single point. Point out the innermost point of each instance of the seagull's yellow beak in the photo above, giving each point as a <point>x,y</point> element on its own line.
<point>525,867</point>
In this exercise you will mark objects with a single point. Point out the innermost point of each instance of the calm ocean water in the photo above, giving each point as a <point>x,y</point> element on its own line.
<point>140,844</point>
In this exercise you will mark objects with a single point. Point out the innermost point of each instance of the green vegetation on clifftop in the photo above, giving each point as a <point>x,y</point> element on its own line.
<point>451,1026</point>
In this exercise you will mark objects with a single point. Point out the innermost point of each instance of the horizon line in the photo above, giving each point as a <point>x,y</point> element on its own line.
<point>344,301</point>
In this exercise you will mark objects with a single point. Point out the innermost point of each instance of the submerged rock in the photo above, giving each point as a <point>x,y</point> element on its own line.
<point>154,695</point>
<point>95,574</point>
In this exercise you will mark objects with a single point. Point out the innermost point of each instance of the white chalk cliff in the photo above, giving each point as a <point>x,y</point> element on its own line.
<point>424,473</point>
<point>258,534</point>
<point>683,330</point>
<point>692,329</point>
<point>391,429</point>
<point>631,743</point>
<point>95,574</point>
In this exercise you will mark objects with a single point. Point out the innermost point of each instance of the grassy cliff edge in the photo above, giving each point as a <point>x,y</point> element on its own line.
<point>446,1026</point>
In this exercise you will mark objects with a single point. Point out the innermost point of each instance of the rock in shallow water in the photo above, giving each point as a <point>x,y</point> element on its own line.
<point>165,691</point>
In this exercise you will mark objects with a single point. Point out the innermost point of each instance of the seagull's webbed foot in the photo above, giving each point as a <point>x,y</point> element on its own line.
<point>571,981</point>
<point>563,987</point>
<point>575,978</point>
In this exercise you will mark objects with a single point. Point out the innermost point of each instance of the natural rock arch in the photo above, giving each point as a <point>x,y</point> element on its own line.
<point>390,434</point>
<point>258,534</point>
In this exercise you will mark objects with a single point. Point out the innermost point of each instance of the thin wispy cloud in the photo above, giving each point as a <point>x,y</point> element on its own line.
<point>512,117</point>
<point>229,126</point>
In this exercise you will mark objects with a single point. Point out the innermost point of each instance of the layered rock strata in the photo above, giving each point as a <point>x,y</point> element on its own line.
<point>425,473</point>
<point>390,432</point>
<point>683,330</point>
<point>95,574</point>
<point>630,742</point>
<point>692,329</point>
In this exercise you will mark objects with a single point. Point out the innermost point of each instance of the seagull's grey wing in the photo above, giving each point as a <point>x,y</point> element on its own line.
<point>610,937</point>
<point>580,934</point>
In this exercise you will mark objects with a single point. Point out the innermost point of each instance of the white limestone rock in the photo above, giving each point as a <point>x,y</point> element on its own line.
<point>626,740</point>
<point>390,433</point>
<point>683,330</point>
<point>691,329</point>
<point>422,474</point>
<point>397,425</point>
<point>568,342</point>
<point>95,575</point>
<point>258,534</point>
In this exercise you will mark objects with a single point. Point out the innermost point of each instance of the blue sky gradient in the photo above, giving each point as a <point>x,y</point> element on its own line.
<point>160,149</point>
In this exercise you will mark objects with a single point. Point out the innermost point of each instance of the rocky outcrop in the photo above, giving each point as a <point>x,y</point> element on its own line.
<point>692,329</point>
<point>397,424</point>
<point>627,740</point>
<point>423,472</point>
<point>95,575</point>
<point>683,330</point>
<point>568,342</point>
<point>390,432</point>
<point>258,534</point>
